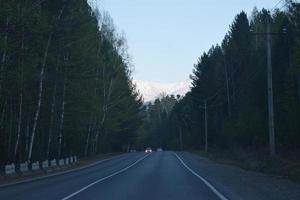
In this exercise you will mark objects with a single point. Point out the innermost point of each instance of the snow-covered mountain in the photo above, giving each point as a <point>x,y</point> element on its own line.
<point>152,89</point>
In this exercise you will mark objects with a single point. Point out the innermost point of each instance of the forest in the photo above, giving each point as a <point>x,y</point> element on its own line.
<point>65,82</point>
<point>66,87</point>
<point>227,107</point>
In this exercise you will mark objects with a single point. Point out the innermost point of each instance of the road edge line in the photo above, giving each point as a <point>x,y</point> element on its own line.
<point>215,191</point>
<point>60,173</point>
<point>105,178</point>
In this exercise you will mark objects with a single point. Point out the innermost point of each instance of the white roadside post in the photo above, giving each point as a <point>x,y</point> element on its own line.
<point>35,166</point>
<point>45,164</point>
<point>71,160</point>
<point>67,161</point>
<point>24,167</point>
<point>53,163</point>
<point>61,162</point>
<point>10,169</point>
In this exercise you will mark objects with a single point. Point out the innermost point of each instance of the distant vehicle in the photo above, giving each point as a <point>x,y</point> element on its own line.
<point>148,150</point>
<point>159,149</point>
<point>132,151</point>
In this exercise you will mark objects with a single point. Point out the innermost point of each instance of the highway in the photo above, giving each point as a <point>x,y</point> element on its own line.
<point>135,176</point>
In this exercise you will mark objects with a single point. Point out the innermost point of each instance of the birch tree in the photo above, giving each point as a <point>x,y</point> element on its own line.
<point>41,82</point>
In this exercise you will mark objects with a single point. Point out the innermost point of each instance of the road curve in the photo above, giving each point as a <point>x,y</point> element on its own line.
<point>159,175</point>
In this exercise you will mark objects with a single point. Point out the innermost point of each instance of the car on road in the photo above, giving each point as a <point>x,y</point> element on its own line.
<point>159,149</point>
<point>148,150</point>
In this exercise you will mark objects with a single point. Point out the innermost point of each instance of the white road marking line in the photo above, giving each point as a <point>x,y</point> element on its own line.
<point>60,173</point>
<point>221,196</point>
<point>107,177</point>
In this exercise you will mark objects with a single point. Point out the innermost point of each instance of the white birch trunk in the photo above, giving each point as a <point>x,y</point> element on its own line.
<point>298,87</point>
<point>3,60</point>
<point>95,144</point>
<point>37,112</point>
<point>19,125</point>
<point>21,99</point>
<point>51,121</point>
<point>105,106</point>
<point>27,139</point>
<point>86,149</point>
<point>5,40</point>
<point>3,114</point>
<point>10,132</point>
<point>41,82</point>
<point>61,122</point>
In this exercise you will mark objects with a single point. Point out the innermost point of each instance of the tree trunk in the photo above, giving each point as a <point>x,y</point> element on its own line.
<point>233,91</point>
<point>86,149</point>
<point>37,112</point>
<point>104,107</point>
<point>96,141</point>
<point>21,98</point>
<point>27,140</point>
<point>299,88</point>
<point>10,131</point>
<point>61,122</point>
<point>96,115</point>
<point>3,114</point>
<point>41,82</point>
<point>104,110</point>
<point>205,126</point>
<point>19,125</point>
<point>3,60</point>
<point>51,121</point>
<point>180,139</point>
<point>227,91</point>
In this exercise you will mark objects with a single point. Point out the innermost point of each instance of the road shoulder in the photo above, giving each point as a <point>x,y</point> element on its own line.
<point>237,183</point>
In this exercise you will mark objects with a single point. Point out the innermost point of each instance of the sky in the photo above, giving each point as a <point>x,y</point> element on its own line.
<point>166,37</point>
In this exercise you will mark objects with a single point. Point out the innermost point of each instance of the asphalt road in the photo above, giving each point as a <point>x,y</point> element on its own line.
<point>159,175</point>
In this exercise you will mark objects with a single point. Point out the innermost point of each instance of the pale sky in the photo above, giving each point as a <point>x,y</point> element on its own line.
<point>165,37</point>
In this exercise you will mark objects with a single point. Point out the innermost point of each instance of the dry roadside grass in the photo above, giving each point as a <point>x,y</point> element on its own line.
<point>281,167</point>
